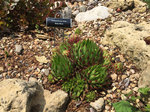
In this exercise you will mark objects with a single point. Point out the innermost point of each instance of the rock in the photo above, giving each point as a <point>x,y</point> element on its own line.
<point>99,12</point>
<point>92,110</point>
<point>76,12</point>
<point>145,78</point>
<point>123,77</point>
<point>140,6</point>
<point>98,104</point>
<point>124,5</point>
<point>1,76</point>
<point>55,102</point>
<point>42,37</point>
<point>18,49</point>
<point>41,59</point>
<point>114,76</point>
<point>67,12</point>
<point>123,97</point>
<point>130,40</point>
<point>147,40</point>
<point>134,77</point>
<point>82,8</point>
<point>132,71</point>
<point>22,96</point>
<point>32,79</point>
<point>1,69</point>
<point>136,89</point>
<point>107,107</point>
<point>45,71</point>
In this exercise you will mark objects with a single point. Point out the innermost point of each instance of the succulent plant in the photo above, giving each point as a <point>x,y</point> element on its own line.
<point>118,67</point>
<point>61,66</point>
<point>78,31</point>
<point>90,96</point>
<point>81,65</point>
<point>95,76</point>
<point>74,86</point>
<point>86,53</point>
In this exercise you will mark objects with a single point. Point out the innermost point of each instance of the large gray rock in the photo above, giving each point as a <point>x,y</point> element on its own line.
<point>67,13</point>
<point>145,79</point>
<point>55,102</point>
<point>130,38</point>
<point>136,5</point>
<point>21,96</point>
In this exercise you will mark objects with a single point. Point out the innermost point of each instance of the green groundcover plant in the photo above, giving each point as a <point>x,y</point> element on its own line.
<point>81,66</point>
<point>148,2</point>
<point>125,106</point>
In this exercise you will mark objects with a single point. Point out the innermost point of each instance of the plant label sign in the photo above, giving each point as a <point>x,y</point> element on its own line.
<point>59,22</point>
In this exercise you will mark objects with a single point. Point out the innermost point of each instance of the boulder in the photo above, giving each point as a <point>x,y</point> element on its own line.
<point>22,96</point>
<point>55,102</point>
<point>135,5</point>
<point>130,39</point>
<point>145,79</point>
<point>99,12</point>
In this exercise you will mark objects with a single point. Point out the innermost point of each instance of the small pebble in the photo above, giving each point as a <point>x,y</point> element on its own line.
<point>136,89</point>
<point>45,71</point>
<point>1,76</point>
<point>114,76</point>
<point>18,49</point>
<point>32,79</point>
<point>132,71</point>
<point>123,97</point>
<point>107,107</point>
<point>123,77</point>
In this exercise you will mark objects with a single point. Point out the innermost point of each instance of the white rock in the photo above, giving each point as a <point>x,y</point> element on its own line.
<point>76,12</point>
<point>99,12</point>
<point>114,76</point>
<point>1,69</point>
<point>82,8</point>
<point>123,97</point>
<point>32,79</point>
<point>98,104</point>
<point>136,89</point>
<point>45,71</point>
<point>18,48</point>
<point>67,12</point>
<point>145,79</point>
<point>41,59</point>
<point>22,96</point>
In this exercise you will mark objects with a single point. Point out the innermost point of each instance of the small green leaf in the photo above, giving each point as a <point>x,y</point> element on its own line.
<point>124,106</point>
<point>147,108</point>
<point>144,90</point>
<point>133,98</point>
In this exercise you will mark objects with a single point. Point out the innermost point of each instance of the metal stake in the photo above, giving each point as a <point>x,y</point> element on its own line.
<point>63,35</point>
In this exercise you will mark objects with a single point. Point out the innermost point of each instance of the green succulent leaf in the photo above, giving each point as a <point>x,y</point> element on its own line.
<point>124,106</point>
<point>144,90</point>
<point>90,96</point>
<point>147,108</point>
